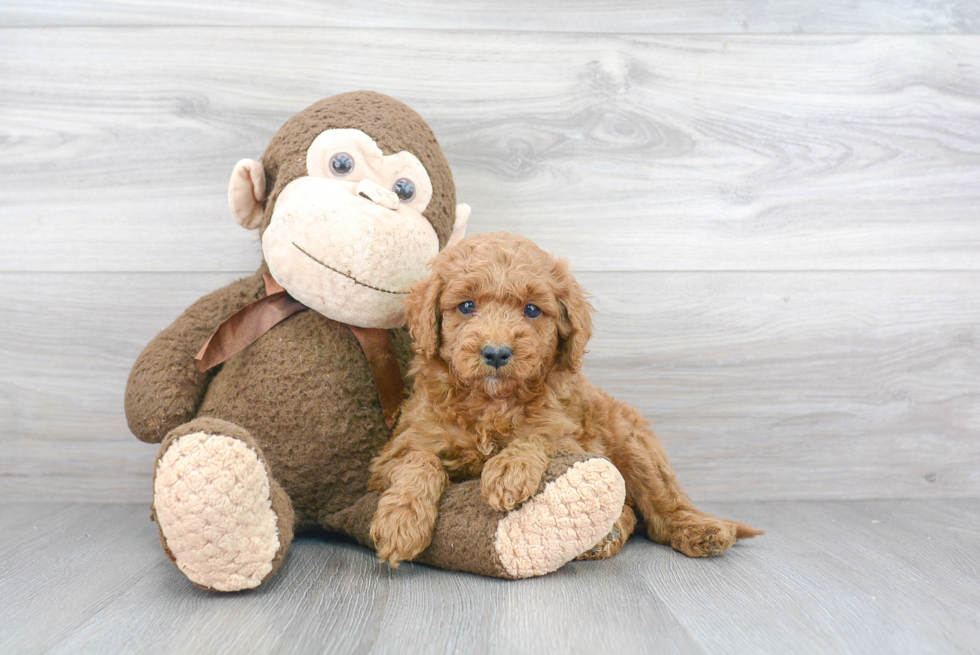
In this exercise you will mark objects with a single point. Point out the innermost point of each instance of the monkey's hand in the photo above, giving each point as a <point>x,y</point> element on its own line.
<point>164,388</point>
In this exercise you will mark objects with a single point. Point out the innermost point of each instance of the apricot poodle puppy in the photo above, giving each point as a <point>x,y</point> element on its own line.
<point>500,329</point>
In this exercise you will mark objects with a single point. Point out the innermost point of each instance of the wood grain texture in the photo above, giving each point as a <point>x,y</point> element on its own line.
<point>888,577</point>
<point>623,152</point>
<point>762,386</point>
<point>883,576</point>
<point>622,16</point>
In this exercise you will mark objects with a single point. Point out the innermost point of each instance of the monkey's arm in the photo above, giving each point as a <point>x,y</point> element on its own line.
<point>164,388</point>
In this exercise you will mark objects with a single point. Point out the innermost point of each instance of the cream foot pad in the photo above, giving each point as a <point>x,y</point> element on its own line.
<point>212,502</point>
<point>570,515</point>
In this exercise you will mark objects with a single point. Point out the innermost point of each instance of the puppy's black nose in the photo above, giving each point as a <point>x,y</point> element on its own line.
<point>496,357</point>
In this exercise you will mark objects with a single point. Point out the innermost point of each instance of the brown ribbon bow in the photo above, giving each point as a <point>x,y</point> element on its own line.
<point>244,327</point>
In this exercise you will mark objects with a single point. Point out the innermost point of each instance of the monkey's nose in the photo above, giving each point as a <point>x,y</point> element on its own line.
<point>496,357</point>
<point>377,194</point>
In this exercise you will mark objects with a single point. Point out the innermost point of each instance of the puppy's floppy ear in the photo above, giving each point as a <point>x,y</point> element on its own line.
<point>424,316</point>
<point>574,320</point>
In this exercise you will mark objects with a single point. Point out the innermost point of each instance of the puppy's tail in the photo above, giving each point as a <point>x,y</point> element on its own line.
<point>743,531</point>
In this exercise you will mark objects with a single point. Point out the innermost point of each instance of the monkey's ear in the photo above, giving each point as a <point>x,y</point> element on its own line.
<point>459,227</point>
<point>246,193</point>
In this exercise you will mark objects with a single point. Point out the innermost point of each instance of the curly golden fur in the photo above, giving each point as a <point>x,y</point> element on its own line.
<point>472,416</point>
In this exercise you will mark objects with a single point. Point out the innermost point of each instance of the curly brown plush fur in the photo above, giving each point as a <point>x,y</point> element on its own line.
<point>468,418</point>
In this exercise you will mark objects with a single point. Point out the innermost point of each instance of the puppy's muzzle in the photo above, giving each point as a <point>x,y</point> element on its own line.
<point>496,356</point>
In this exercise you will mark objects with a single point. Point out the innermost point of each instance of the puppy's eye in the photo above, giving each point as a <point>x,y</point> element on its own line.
<point>341,164</point>
<point>404,188</point>
<point>532,311</point>
<point>467,308</point>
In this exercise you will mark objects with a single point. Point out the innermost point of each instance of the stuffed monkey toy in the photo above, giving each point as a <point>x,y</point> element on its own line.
<point>270,397</point>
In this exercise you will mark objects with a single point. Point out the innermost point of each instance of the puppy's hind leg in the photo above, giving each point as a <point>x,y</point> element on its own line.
<point>613,542</point>
<point>669,515</point>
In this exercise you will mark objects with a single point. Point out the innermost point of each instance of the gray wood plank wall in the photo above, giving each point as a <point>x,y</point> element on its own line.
<point>775,206</point>
<point>616,16</point>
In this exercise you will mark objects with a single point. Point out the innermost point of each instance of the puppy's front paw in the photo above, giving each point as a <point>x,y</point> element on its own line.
<point>400,530</point>
<point>704,536</point>
<point>507,482</point>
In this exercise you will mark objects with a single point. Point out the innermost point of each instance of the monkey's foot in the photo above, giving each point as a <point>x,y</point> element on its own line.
<point>580,499</point>
<point>212,501</point>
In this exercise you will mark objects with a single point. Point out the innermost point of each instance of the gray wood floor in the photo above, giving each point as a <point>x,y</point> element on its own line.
<point>829,577</point>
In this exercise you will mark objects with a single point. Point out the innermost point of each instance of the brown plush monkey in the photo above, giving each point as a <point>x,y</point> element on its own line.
<point>272,430</point>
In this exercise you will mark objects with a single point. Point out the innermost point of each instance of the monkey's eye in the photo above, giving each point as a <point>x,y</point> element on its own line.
<point>341,164</point>
<point>467,308</point>
<point>532,311</point>
<point>404,188</point>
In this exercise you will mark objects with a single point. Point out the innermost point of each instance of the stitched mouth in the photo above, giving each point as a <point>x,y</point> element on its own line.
<point>347,275</point>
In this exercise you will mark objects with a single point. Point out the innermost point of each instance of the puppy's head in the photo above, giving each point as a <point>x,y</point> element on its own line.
<point>500,312</point>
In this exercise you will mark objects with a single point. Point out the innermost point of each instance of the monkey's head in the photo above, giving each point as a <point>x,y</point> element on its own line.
<point>352,199</point>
